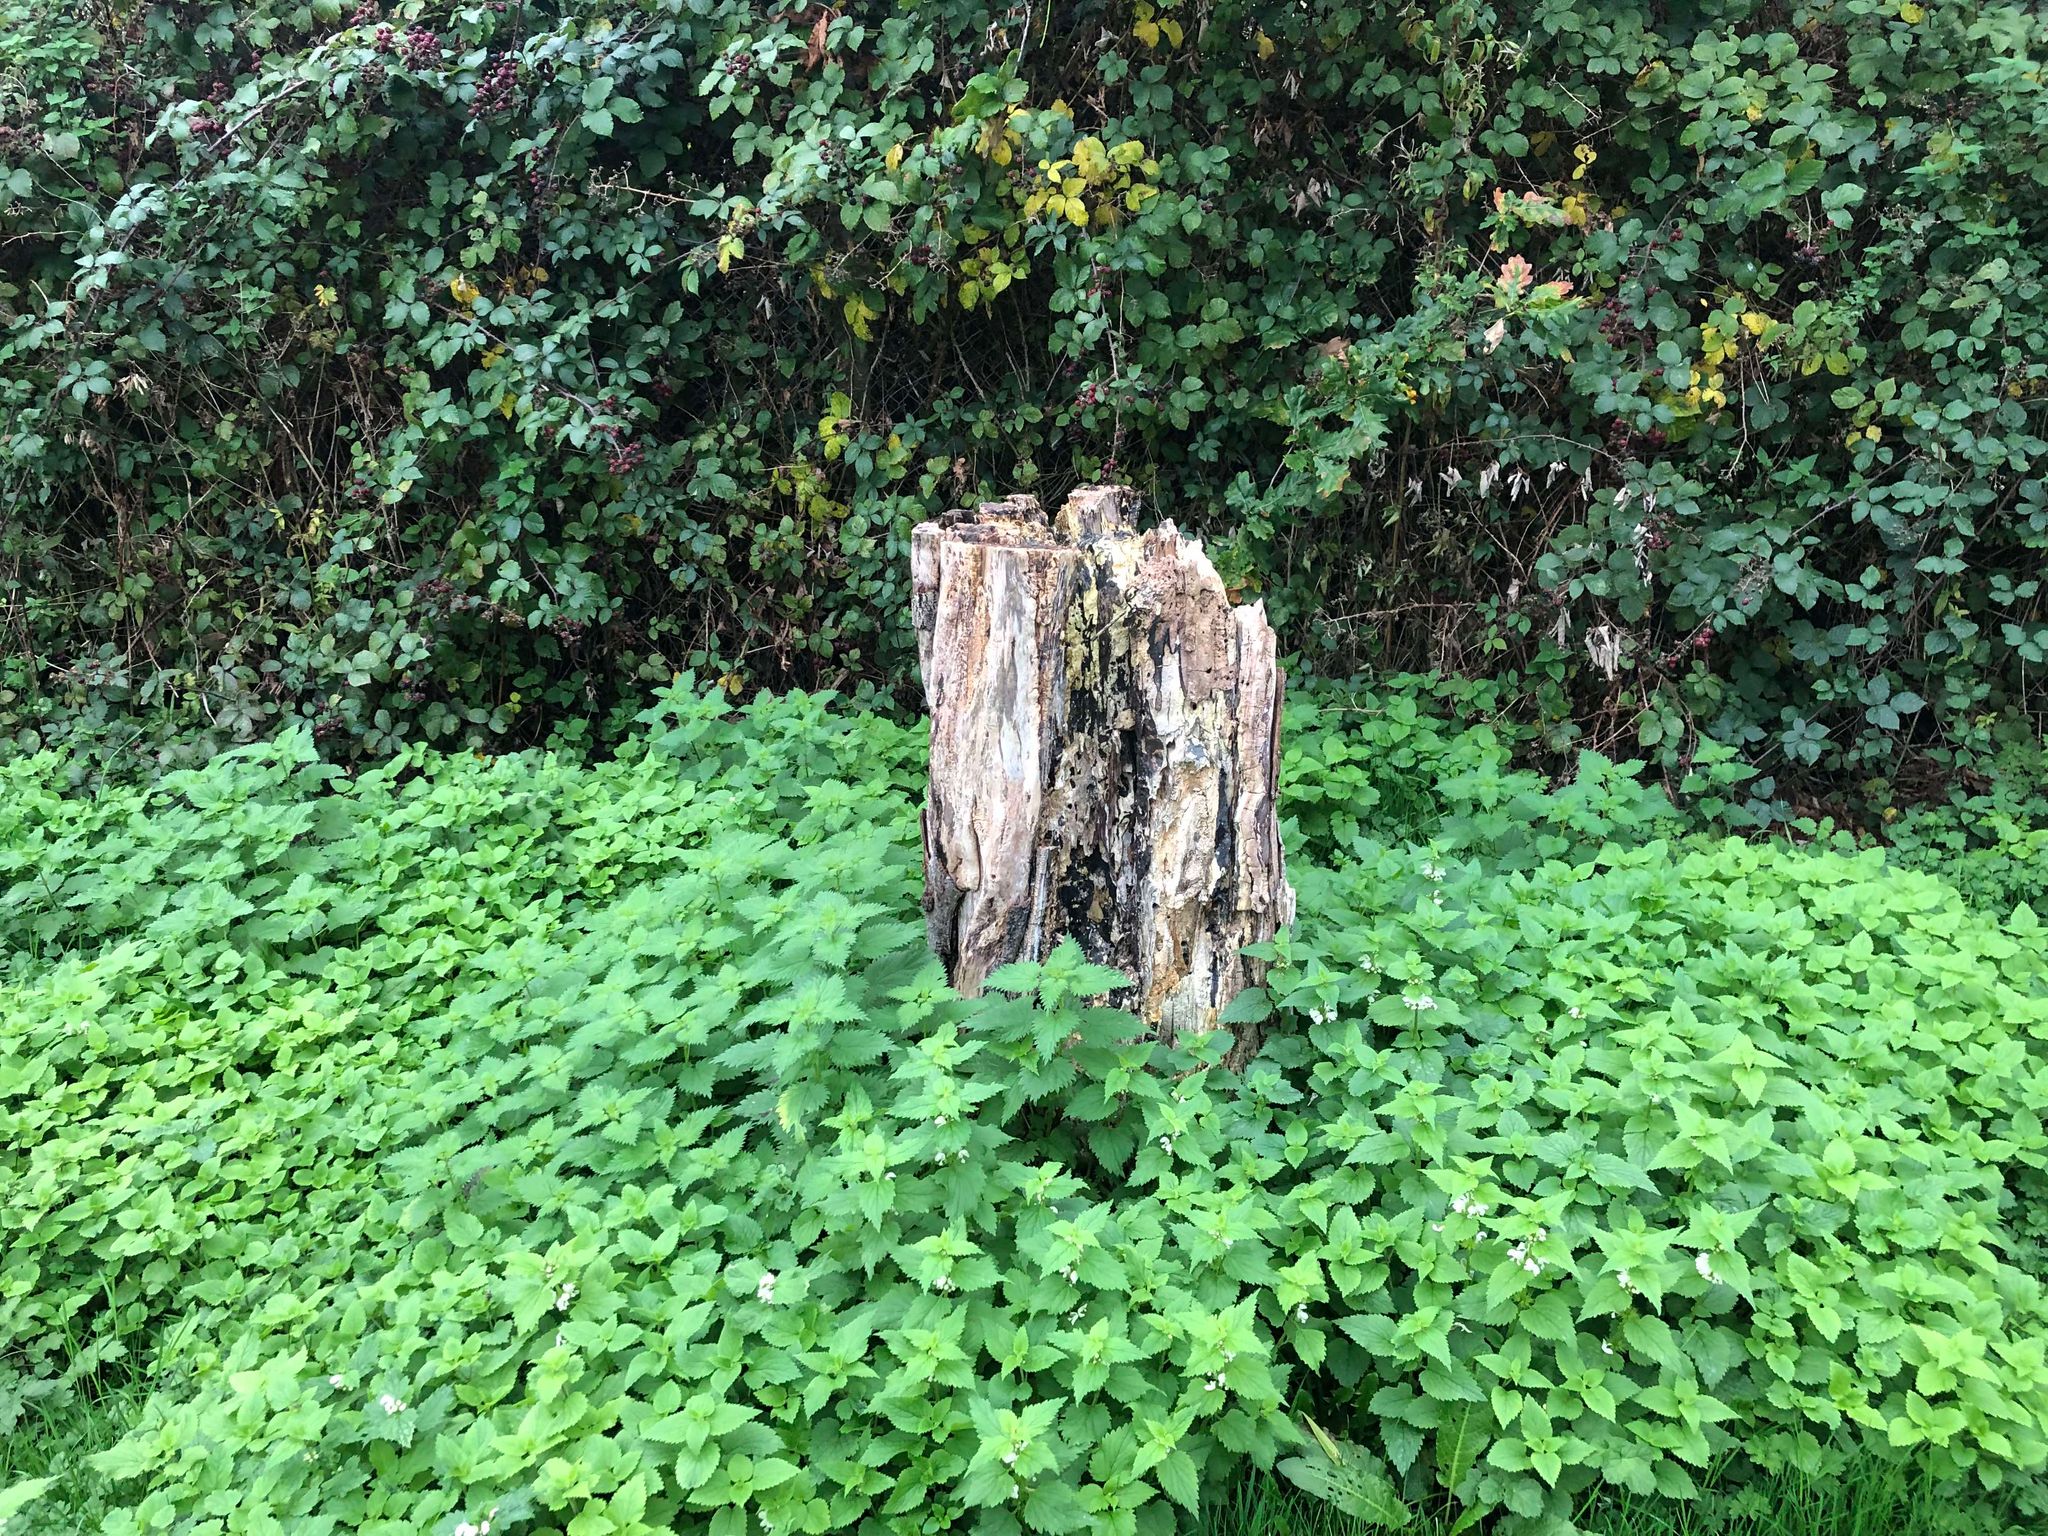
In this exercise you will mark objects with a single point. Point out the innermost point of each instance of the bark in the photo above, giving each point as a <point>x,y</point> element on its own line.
<point>1105,751</point>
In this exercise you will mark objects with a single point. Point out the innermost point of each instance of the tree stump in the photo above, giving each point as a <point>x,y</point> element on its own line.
<point>1104,757</point>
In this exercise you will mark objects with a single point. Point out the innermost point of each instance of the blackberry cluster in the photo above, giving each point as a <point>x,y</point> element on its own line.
<point>1614,326</point>
<point>537,179</point>
<point>495,88</point>
<point>739,64</point>
<point>364,14</point>
<point>441,593</point>
<point>570,630</point>
<point>384,39</point>
<point>422,47</point>
<point>372,75</point>
<point>625,457</point>
<point>205,127</point>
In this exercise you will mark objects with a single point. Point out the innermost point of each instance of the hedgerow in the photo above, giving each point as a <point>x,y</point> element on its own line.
<point>599,1150</point>
<point>452,371</point>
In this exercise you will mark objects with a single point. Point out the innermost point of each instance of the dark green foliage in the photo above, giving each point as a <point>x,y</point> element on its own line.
<point>458,380</point>
<point>597,1150</point>
<point>1990,836</point>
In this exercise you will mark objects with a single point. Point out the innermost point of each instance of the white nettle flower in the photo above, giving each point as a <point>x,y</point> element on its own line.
<point>391,1405</point>
<point>764,1289</point>
<point>1320,1015</point>
<point>1705,1265</point>
<point>564,1295</point>
<point>1577,1012</point>
<point>1301,1314</point>
<point>335,1381</point>
<point>1419,1004</point>
<point>1621,1279</point>
<point>1606,1348</point>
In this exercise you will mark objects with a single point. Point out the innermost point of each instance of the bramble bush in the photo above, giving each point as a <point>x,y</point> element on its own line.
<point>453,371</point>
<point>597,1149</point>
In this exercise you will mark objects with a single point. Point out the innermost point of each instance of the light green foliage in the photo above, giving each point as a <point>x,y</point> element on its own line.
<point>599,1146</point>
<point>453,382</point>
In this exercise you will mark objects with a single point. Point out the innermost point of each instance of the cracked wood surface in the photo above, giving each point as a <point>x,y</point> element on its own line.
<point>1105,753</point>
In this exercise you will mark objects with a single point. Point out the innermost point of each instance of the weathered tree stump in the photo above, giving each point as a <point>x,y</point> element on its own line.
<point>1105,752</point>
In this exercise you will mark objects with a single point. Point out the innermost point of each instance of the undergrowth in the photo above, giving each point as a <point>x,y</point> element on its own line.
<point>596,1149</point>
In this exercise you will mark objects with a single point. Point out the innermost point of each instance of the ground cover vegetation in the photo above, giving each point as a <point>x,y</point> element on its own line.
<point>594,1148</point>
<point>450,372</point>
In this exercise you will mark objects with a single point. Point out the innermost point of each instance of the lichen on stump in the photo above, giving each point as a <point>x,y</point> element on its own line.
<point>1105,752</point>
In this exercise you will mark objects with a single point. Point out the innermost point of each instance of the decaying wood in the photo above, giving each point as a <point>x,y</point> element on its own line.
<point>1105,752</point>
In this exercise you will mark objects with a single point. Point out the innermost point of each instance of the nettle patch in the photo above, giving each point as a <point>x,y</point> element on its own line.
<point>598,1150</point>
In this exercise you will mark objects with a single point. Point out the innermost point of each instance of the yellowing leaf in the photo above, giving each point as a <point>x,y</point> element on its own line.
<point>1265,45</point>
<point>1092,160</point>
<point>1147,33</point>
<point>1077,211</point>
<point>463,291</point>
<point>1754,323</point>
<point>894,157</point>
<point>323,295</point>
<point>1912,15</point>
<point>507,402</point>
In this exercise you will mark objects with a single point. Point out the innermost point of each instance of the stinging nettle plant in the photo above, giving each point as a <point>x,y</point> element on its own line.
<point>598,1149</point>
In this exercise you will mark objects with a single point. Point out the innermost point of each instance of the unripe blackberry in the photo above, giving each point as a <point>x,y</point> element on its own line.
<point>422,48</point>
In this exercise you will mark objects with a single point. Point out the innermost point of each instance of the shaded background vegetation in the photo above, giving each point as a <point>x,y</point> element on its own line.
<point>456,373</point>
